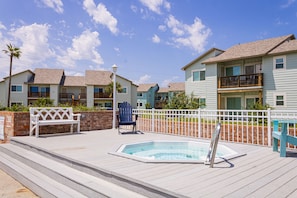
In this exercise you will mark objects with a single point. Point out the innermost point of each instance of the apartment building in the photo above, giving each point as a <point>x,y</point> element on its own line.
<point>262,71</point>
<point>89,90</point>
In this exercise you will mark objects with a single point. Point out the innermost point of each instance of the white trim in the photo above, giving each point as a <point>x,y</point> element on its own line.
<point>284,62</point>
<point>280,94</point>
<point>198,70</point>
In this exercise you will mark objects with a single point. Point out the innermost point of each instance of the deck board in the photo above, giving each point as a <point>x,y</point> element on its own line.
<point>261,172</point>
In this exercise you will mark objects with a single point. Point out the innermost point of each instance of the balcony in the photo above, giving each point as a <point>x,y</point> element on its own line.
<point>102,95</point>
<point>250,80</point>
<point>38,94</point>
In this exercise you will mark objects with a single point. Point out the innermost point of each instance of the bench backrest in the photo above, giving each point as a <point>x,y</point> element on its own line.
<point>52,113</point>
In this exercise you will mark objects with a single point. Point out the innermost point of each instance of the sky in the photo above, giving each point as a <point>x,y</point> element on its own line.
<point>149,40</point>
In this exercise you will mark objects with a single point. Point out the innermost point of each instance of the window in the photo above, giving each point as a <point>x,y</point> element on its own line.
<point>249,69</point>
<point>199,75</point>
<point>16,103</point>
<point>202,102</point>
<point>98,90</point>
<point>124,90</point>
<point>16,88</point>
<point>250,102</point>
<point>34,89</point>
<point>233,71</point>
<point>279,101</point>
<point>139,94</point>
<point>279,62</point>
<point>44,91</point>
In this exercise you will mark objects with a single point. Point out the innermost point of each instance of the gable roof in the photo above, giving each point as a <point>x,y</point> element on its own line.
<point>202,56</point>
<point>176,86</point>
<point>74,81</point>
<point>251,49</point>
<point>96,77</point>
<point>48,76</point>
<point>288,46</point>
<point>145,87</point>
<point>28,70</point>
<point>163,90</point>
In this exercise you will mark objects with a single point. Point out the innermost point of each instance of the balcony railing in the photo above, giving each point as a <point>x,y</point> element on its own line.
<point>38,94</point>
<point>249,80</point>
<point>65,95</point>
<point>72,96</point>
<point>102,95</point>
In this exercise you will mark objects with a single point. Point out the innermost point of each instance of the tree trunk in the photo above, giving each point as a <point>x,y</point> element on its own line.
<point>9,82</point>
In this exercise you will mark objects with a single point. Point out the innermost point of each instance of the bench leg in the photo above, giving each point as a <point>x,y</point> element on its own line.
<point>275,144</point>
<point>71,128</point>
<point>37,131</point>
<point>78,127</point>
<point>283,140</point>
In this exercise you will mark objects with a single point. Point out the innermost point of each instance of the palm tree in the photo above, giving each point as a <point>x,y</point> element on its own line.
<point>12,51</point>
<point>109,88</point>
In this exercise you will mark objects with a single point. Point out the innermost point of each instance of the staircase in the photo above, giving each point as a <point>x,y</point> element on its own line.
<point>51,175</point>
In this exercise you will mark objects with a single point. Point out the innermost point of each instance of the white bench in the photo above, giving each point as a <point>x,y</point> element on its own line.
<point>42,116</point>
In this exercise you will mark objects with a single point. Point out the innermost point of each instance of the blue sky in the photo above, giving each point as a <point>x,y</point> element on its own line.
<point>149,40</point>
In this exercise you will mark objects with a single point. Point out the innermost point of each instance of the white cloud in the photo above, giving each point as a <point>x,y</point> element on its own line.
<point>166,82</point>
<point>33,43</point>
<point>101,15</point>
<point>133,8</point>
<point>288,4</point>
<point>143,79</point>
<point>156,5</point>
<point>57,5</point>
<point>2,26</point>
<point>156,39</point>
<point>162,28</point>
<point>193,36</point>
<point>83,48</point>
<point>35,47</point>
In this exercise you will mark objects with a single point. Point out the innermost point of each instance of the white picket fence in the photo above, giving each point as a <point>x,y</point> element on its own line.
<point>240,126</point>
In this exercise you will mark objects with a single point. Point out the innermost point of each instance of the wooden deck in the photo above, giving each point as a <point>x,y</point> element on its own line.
<point>260,173</point>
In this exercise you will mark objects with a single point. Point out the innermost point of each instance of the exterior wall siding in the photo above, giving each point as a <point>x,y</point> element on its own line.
<point>3,95</point>
<point>122,97</point>
<point>282,81</point>
<point>90,96</point>
<point>54,93</point>
<point>211,93</point>
<point>21,97</point>
<point>203,89</point>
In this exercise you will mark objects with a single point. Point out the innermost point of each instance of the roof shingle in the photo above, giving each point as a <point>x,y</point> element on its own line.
<point>176,86</point>
<point>251,49</point>
<point>48,76</point>
<point>145,87</point>
<point>74,81</point>
<point>95,77</point>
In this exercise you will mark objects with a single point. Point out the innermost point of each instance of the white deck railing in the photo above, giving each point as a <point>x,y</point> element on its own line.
<point>240,126</point>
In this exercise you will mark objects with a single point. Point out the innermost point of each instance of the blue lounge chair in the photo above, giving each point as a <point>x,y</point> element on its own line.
<point>125,117</point>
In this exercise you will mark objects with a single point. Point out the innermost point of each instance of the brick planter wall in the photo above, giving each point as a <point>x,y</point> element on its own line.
<point>17,123</point>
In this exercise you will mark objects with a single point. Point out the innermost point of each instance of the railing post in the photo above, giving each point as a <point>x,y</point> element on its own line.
<point>153,119</point>
<point>199,122</point>
<point>269,126</point>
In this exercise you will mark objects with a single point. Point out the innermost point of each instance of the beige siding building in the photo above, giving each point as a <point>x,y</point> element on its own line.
<point>89,90</point>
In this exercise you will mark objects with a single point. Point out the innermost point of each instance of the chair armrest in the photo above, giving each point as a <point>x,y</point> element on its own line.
<point>77,115</point>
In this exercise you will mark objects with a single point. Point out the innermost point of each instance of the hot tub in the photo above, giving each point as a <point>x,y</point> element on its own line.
<point>173,151</point>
